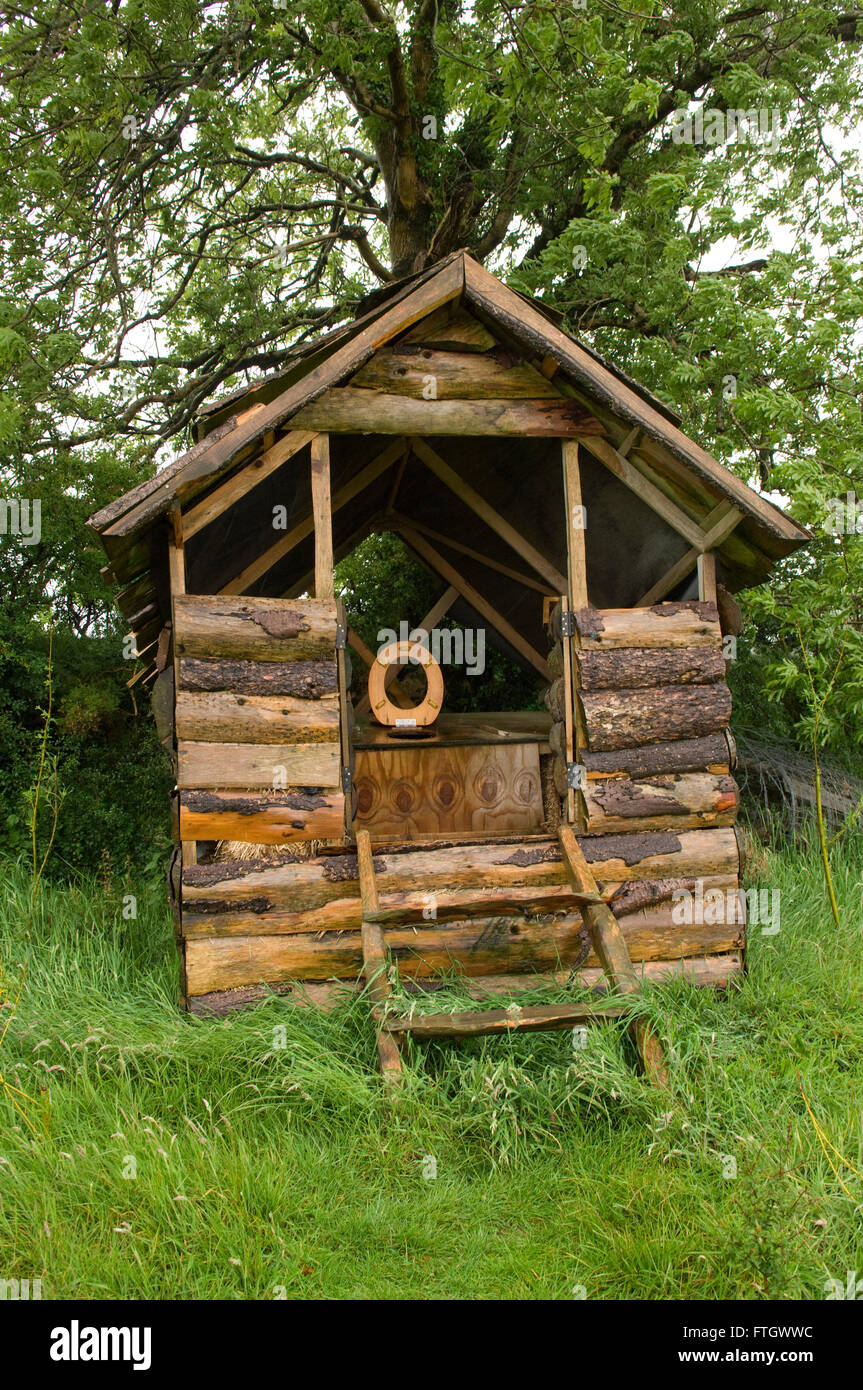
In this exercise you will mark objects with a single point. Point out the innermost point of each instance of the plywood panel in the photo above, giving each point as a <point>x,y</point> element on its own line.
<point>409,792</point>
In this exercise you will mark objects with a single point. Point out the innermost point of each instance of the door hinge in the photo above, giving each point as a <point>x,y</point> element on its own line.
<point>347,780</point>
<point>341,636</point>
<point>567,623</point>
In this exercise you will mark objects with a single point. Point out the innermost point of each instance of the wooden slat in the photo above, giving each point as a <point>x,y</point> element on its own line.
<point>375,956</point>
<point>322,513</point>
<point>248,477</point>
<point>721,522</point>
<point>610,945</point>
<point>483,509</point>
<point>345,410</point>
<point>474,947</point>
<point>527,1019</point>
<point>256,765</point>
<point>397,519</point>
<point>305,886</point>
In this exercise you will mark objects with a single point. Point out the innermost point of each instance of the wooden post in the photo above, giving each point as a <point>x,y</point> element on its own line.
<point>610,945</point>
<point>177,578</point>
<point>707,576</point>
<point>375,957</point>
<point>578,598</point>
<point>323,517</point>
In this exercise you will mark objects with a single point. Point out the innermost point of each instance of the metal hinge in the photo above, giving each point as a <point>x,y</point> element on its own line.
<point>567,623</point>
<point>347,779</point>
<point>341,636</point>
<point>576,777</point>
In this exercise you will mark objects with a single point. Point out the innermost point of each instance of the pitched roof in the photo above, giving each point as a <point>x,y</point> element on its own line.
<point>270,403</point>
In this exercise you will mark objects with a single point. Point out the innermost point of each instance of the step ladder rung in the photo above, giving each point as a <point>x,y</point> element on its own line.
<point>404,909</point>
<point>519,1018</point>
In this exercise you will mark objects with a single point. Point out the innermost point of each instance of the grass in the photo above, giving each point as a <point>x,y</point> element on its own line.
<point>165,1157</point>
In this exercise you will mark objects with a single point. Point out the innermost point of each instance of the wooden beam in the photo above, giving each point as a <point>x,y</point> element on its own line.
<point>349,410</point>
<point>177,582</point>
<point>218,501</point>
<point>399,519</point>
<point>630,476</point>
<point>577,587</point>
<point>265,562</point>
<point>323,518</point>
<point>437,562</point>
<point>718,525</point>
<point>472,499</point>
<point>457,376</point>
<point>214,454</point>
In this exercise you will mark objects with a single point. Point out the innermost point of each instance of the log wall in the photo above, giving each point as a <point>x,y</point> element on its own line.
<point>257,720</point>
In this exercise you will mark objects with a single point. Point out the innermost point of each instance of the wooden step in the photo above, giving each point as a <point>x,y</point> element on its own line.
<point>475,1023</point>
<point>404,909</point>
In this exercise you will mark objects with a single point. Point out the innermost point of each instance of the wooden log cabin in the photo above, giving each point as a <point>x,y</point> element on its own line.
<point>561,509</point>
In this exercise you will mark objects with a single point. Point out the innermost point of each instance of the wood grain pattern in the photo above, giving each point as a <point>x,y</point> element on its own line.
<point>346,410</point>
<point>210,766</point>
<point>404,370</point>
<point>274,818</point>
<point>407,792</point>
<point>674,802</point>
<point>223,717</point>
<point>306,885</point>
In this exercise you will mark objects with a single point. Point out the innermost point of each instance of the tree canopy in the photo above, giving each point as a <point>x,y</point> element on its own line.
<point>193,188</point>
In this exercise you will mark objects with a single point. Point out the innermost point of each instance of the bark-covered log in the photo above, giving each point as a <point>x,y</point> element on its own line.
<point>476,947</point>
<point>557,737</point>
<point>664,625</point>
<point>710,754</point>
<point>283,817</point>
<point>676,801</point>
<point>554,698</point>
<point>307,680</point>
<point>636,668</point>
<point>629,718</point>
<point>304,886</point>
<point>222,717</point>
<point>713,971</point>
<point>555,660</point>
<point>255,629</point>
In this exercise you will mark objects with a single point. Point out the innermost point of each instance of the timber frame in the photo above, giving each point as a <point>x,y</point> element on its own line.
<point>559,508</point>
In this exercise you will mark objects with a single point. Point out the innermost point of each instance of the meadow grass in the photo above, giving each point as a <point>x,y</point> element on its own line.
<point>163,1156</point>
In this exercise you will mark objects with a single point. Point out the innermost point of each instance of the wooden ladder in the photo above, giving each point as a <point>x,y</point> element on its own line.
<point>580,891</point>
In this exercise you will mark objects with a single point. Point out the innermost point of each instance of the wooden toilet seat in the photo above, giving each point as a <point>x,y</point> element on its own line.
<point>383,709</point>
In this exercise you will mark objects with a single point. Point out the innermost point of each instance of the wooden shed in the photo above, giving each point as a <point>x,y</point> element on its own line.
<point>563,513</point>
